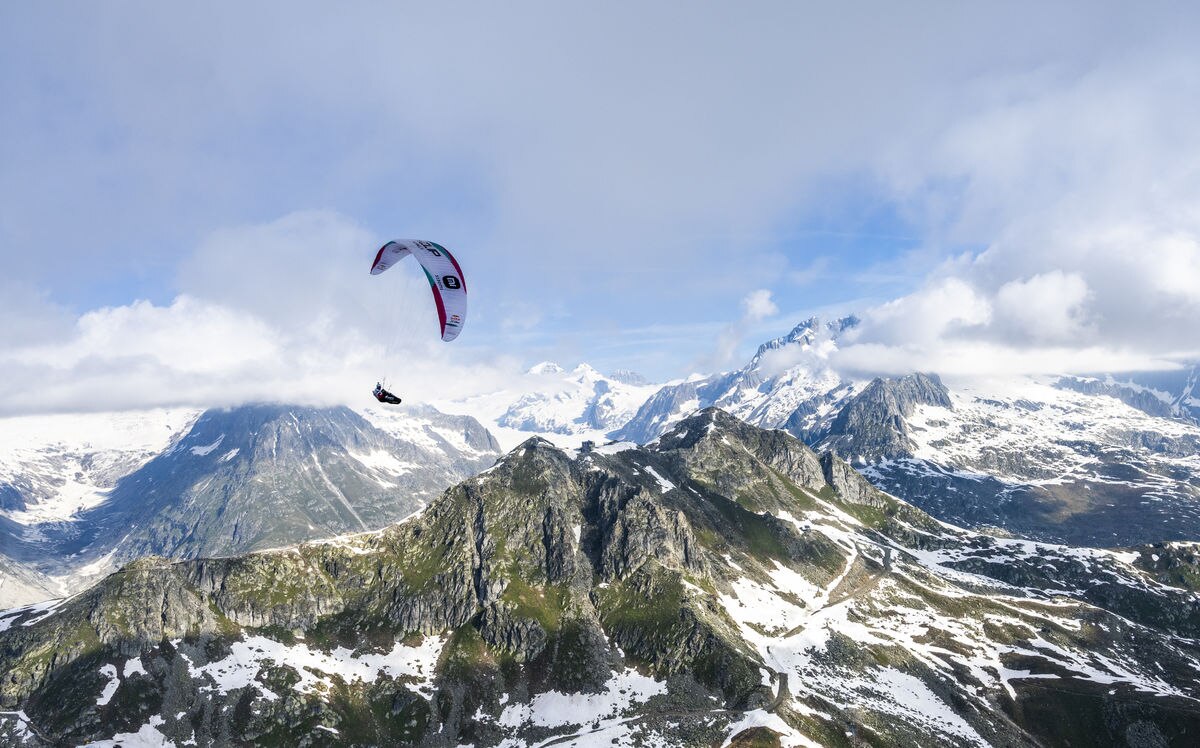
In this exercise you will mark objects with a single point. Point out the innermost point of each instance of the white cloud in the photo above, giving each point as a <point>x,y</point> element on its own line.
<point>942,309</point>
<point>758,305</point>
<point>284,311</point>
<point>630,186</point>
<point>187,336</point>
<point>1079,183</point>
<point>1045,307</point>
<point>976,359</point>
<point>199,353</point>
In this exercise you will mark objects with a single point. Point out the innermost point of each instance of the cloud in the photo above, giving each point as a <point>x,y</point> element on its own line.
<point>152,150</point>
<point>271,328</point>
<point>200,354</point>
<point>1080,188</point>
<point>1045,308</point>
<point>758,305</point>
<point>973,359</point>
<point>28,315</point>
<point>533,144</point>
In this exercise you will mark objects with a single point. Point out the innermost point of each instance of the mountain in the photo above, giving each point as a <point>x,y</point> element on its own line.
<point>724,585</point>
<point>1043,461</point>
<point>244,479</point>
<point>563,406</point>
<point>788,380</point>
<point>20,585</point>
<point>1100,461</point>
<point>53,466</point>
<point>578,401</point>
<point>1165,394</point>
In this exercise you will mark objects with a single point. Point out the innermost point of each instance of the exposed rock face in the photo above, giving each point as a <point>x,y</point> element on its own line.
<point>1141,399</point>
<point>1100,461</point>
<point>873,425</point>
<point>1172,394</point>
<point>720,578</point>
<point>263,476</point>
<point>849,484</point>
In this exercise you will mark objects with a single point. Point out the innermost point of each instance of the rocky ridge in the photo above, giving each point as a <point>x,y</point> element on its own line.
<point>255,477</point>
<point>721,583</point>
<point>1101,461</point>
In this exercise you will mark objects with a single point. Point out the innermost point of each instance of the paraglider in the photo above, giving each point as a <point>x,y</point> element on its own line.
<point>445,281</point>
<point>384,396</point>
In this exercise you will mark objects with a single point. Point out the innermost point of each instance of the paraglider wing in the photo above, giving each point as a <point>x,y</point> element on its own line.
<point>445,279</point>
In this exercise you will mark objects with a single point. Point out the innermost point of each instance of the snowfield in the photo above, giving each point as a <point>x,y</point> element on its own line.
<point>63,464</point>
<point>317,669</point>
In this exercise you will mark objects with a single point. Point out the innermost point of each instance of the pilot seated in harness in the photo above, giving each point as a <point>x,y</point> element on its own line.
<point>384,396</point>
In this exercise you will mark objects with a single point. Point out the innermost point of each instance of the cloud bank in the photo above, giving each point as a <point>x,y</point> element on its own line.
<point>620,207</point>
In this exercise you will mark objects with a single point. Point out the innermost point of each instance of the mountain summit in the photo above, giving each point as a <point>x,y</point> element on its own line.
<point>245,479</point>
<point>1102,461</point>
<point>723,583</point>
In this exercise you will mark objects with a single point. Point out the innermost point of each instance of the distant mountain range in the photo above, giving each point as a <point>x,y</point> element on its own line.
<point>96,491</point>
<point>1104,461</point>
<point>1108,460</point>
<point>722,585</point>
<point>565,406</point>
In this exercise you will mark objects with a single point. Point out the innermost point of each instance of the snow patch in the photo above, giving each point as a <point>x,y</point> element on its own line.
<point>149,736</point>
<point>663,483</point>
<point>615,447</point>
<point>789,737</point>
<point>134,666</point>
<point>207,449</point>
<point>554,709</point>
<point>317,669</point>
<point>913,700</point>
<point>110,688</point>
<point>384,461</point>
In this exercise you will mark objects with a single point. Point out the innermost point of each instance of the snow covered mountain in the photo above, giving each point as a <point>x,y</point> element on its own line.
<point>788,380</point>
<point>1107,460</point>
<point>562,406</point>
<point>722,586</point>
<point>1167,394</point>
<point>578,401</point>
<point>1043,460</point>
<point>236,480</point>
<point>54,466</point>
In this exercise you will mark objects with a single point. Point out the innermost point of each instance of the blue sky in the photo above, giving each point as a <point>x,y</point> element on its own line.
<point>616,179</point>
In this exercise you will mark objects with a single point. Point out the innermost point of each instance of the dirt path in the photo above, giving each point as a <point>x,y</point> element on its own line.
<point>843,592</point>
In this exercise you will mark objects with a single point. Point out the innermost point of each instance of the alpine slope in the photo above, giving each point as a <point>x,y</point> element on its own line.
<point>722,585</point>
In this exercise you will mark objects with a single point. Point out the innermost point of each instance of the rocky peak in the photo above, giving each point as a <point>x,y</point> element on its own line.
<point>807,333</point>
<point>873,426</point>
<point>717,444</point>
<point>748,580</point>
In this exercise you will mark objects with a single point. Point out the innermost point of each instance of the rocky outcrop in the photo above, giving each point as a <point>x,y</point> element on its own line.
<point>660,591</point>
<point>872,426</point>
<point>1135,397</point>
<point>523,637</point>
<point>849,484</point>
